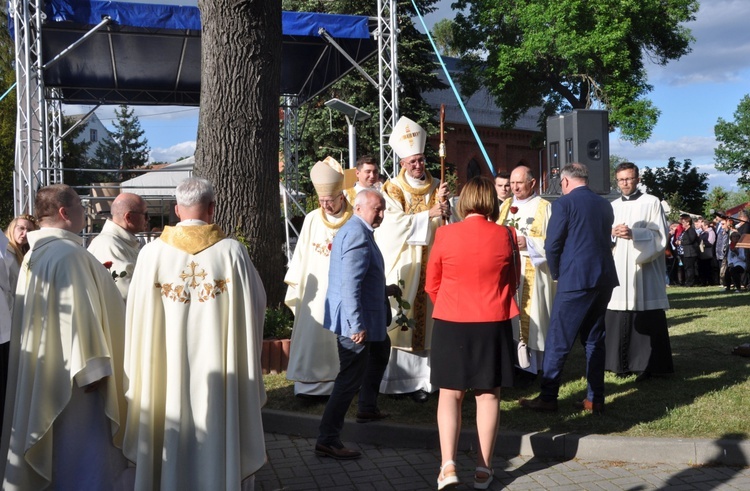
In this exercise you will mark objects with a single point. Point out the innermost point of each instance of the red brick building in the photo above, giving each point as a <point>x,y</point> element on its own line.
<point>506,148</point>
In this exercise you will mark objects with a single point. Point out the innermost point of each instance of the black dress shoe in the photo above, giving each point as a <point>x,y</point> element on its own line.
<point>539,404</point>
<point>643,376</point>
<point>367,416</point>
<point>589,407</point>
<point>420,396</point>
<point>312,399</point>
<point>340,453</point>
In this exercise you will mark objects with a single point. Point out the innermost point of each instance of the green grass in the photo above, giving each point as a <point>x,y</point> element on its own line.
<point>708,396</point>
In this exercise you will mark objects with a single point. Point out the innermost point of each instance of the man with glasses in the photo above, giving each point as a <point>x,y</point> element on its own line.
<point>530,215</point>
<point>313,355</point>
<point>116,245</point>
<point>416,205</point>
<point>637,338</point>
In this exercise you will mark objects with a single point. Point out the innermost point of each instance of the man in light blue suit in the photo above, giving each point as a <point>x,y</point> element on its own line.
<point>355,310</point>
<point>578,247</point>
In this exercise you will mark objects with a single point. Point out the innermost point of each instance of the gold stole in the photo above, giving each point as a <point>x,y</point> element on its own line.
<point>417,203</point>
<point>528,267</point>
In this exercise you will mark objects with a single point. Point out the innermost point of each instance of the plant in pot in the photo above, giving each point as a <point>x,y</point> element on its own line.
<point>277,329</point>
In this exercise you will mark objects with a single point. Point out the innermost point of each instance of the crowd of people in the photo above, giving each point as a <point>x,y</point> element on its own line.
<point>132,367</point>
<point>701,252</point>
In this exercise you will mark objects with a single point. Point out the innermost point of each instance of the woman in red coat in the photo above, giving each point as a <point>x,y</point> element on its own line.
<point>471,279</point>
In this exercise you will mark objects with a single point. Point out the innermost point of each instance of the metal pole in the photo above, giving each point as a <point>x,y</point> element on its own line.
<point>352,143</point>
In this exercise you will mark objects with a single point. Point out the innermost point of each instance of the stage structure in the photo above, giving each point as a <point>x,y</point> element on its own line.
<point>100,52</point>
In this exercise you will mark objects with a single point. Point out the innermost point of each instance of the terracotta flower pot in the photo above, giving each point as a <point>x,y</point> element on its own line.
<point>274,356</point>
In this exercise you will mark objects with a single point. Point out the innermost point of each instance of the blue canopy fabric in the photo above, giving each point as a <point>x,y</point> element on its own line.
<point>120,65</point>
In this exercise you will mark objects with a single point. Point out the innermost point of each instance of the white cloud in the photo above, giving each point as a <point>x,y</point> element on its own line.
<point>171,154</point>
<point>721,50</point>
<point>654,154</point>
<point>689,147</point>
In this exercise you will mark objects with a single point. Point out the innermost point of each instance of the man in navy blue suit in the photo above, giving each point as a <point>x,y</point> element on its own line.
<point>578,247</point>
<point>355,310</point>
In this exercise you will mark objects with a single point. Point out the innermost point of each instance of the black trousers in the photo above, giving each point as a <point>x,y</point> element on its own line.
<point>362,368</point>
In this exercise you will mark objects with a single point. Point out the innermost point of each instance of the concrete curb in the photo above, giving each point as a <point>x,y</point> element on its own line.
<point>543,445</point>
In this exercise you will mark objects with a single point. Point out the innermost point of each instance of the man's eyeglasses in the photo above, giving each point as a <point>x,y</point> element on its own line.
<point>626,179</point>
<point>324,202</point>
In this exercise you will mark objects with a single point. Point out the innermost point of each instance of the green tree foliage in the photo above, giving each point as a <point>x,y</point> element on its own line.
<point>125,148</point>
<point>572,54</point>
<point>733,153</point>
<point>679,183</point>
<point>442,34</point>
<point>719,199</point>
<point>325,132</point>
<point>7,124</point>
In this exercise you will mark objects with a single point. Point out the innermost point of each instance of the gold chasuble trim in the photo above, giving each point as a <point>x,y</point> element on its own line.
<point>192,239</point>
<point>529,271</point>
<point>348,211</point>
<point>416,204</point>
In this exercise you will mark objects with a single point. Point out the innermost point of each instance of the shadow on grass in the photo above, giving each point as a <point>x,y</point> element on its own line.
<point>704,398</point>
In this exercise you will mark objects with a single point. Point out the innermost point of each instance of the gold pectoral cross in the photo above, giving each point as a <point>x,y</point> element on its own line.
<point>192,275</point>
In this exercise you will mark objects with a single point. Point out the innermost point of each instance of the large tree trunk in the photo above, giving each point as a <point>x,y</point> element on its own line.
<point>238,131</point>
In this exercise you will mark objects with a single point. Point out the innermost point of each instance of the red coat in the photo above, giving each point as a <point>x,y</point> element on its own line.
<point>469,272</point>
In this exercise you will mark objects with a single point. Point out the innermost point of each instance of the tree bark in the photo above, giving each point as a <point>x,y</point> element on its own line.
<point>238,131</point>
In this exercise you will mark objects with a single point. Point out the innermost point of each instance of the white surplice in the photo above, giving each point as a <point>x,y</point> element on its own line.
<point>192,359</point>
<point>640,262</point>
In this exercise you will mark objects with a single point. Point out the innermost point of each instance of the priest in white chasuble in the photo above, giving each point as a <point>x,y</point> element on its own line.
<point>416,204</point>
<point>195,315</point>
<point>529,213</point>
<point>65,407</point>
<point>313,354</point>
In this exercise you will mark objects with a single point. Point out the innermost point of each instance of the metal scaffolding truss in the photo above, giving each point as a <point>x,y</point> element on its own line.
<point>388,81</point>
<point>31,118</point>
<point>39,135</point>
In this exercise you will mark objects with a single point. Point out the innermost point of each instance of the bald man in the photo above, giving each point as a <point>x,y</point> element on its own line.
<point>117,242</point>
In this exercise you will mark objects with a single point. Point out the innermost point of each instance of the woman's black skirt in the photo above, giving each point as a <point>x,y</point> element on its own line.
<point>472,355</point>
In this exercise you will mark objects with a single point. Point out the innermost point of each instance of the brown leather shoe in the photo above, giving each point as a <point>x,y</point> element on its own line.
<point>589,407</point>
<point>538,404</point>
<point>367,416</point>
<point>341,453</point>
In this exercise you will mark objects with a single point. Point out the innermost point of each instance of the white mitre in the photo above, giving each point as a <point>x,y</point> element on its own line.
<point>407,138</point>
<point>327,177</point>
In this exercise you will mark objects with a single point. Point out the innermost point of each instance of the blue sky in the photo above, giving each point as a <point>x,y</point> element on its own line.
<point>692,93</point>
